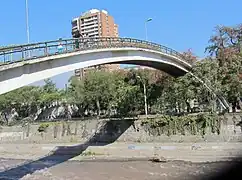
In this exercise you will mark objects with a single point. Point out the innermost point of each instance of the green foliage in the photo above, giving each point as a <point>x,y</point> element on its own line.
<point>27,99</point>
<point>43,127</point>
<point>226,46</point>
<point>91,153</point>
<point>180,125</point>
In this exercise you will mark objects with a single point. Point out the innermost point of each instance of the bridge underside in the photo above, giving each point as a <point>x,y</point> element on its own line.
<point>19,74</point>
<point>167,68</point>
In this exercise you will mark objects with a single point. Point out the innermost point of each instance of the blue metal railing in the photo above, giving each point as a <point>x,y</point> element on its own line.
<point>23,52</point>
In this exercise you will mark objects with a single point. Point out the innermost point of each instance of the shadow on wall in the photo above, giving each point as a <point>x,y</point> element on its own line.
<point>106,134</point>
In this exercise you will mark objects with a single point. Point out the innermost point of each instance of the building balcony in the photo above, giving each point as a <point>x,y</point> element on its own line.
<point>89,30</point>
<point>74,28</point>
<point>89,26</point>
<point>75,33</point>
<point>93,33</point>
<point>90,19</point>
<point>89,23</point>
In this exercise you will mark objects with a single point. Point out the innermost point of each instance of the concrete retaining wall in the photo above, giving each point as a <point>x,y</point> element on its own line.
<point>110,131</point>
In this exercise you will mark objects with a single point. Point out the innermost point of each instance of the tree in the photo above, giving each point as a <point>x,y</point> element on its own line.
<point>189,56</point>
<point>126,94</point>
<point>24,100</point>
<point>49,93</point>
<point>76,94</point>
<point>49,86</point>
<point>226,46</point>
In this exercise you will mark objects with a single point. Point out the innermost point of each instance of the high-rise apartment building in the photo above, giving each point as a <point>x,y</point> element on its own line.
<point>94,23</point>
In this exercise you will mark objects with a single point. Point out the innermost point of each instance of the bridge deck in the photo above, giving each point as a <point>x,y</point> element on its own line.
<point>25,52</point>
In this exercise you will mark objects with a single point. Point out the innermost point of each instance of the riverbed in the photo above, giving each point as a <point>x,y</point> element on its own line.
<point>110,169</point>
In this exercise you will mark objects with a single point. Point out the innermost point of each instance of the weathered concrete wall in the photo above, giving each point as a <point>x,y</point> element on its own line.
<point>107,131</point>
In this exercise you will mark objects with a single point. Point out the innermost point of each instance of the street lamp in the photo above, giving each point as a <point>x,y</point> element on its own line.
<point>145,97</point>
<point>27,19</point>
<point>148,20</point>
<point>27,25</point>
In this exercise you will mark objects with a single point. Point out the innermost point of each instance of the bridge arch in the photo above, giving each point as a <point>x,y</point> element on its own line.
<point>35,62</point>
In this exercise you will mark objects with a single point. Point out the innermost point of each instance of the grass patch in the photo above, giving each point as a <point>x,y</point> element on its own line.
<point>91,153</point>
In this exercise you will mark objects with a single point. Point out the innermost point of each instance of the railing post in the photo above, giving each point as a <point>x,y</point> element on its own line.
<point>98,42</point>
<point>22,49</point>
<point>76,44</point>
<point>46,49</point>
<point>4,57</point>
<point>66,45</point>
<point>119,40</point>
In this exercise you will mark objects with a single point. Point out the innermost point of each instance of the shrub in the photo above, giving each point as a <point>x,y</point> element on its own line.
<point>43,127</point>
<point>171,125</point>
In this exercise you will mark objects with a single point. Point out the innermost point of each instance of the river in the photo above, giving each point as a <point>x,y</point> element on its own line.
<point>110,170</point>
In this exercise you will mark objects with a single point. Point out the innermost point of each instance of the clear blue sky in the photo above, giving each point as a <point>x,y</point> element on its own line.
<point>178,24</point>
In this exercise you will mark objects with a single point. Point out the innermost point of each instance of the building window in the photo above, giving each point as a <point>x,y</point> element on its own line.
<point>74,23</point>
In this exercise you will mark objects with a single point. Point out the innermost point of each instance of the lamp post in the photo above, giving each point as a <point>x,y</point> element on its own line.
<point>145,97</point>
<point>146,34</point>
<point>27,24</point>
<point>27,19</point>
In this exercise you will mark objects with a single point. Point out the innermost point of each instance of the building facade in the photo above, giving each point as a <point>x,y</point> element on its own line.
<point>94,23</point>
